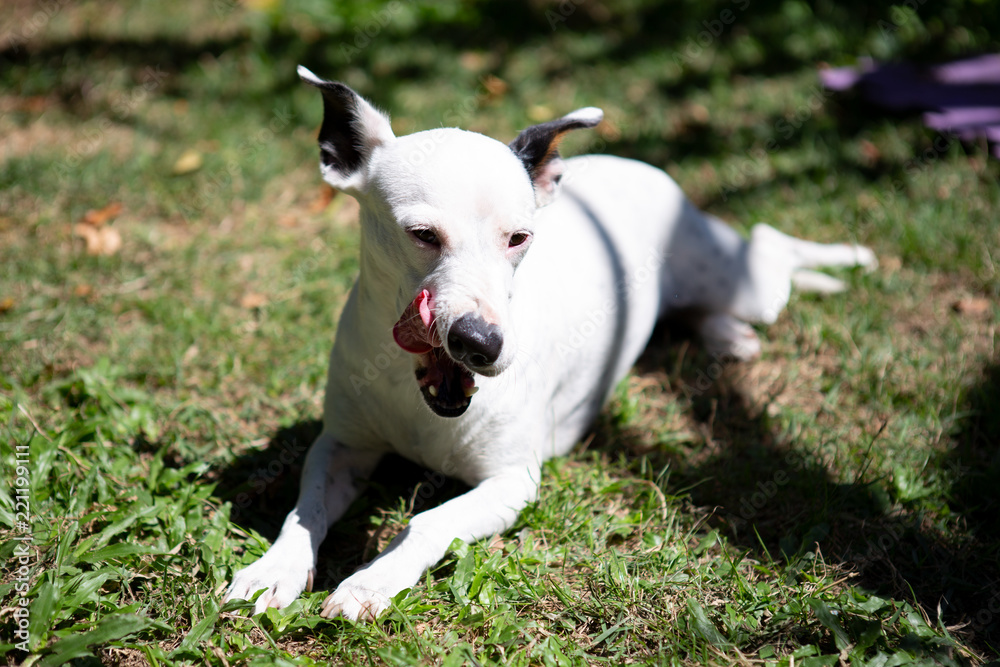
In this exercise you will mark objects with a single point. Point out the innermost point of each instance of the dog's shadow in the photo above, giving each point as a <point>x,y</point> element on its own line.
<point>262,487</point>
<point>770,501</point>
<point>775,502</point>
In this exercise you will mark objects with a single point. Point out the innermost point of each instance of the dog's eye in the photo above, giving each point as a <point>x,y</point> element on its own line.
<point>517,239</point>
<point>426,236</point>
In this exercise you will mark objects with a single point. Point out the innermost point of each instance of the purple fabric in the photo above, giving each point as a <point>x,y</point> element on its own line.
<point>960,97</point>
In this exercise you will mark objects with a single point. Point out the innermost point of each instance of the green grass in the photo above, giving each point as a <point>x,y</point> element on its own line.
<point>833,503</point>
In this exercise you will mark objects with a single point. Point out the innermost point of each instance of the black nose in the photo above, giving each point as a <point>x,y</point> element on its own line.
<point>474,341</point>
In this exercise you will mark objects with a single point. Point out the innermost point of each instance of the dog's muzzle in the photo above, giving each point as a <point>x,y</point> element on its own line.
<point>474,342</point>
<point>444,376</point>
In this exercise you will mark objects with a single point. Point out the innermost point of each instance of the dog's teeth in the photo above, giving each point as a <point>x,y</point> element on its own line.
<point>432,390</point>
<point>469,391</point>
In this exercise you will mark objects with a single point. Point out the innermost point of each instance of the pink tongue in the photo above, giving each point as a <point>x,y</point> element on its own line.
<point>413,330</point>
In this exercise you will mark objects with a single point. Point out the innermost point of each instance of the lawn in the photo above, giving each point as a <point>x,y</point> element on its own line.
<point>172,270</point>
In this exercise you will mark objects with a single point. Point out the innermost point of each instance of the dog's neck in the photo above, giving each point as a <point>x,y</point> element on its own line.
<point>378,288</point>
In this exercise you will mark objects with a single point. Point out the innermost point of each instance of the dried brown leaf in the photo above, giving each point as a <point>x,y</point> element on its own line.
<point>98,217</point>
<point>252,300</point>
<point>189,161</point>
<point>972,306</point>
<point>105,241</point>
<point>323,199</point>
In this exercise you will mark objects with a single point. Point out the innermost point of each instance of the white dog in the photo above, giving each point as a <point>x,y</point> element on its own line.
<point>485,332</point>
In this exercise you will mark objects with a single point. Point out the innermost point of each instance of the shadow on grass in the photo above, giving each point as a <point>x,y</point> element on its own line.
<point>263,486</point>
<point>775,503</point>
<point>975,495</point>
<point>669,32</point>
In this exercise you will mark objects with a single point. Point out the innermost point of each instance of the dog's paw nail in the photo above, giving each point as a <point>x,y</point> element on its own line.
<point>354,604</point>
<point>332,610</point>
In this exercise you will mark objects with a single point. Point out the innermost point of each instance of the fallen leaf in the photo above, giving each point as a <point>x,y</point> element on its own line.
<point>97,217</point>
<point>99,240</point>
<point>472,61</point>
<point>323,199</point>
<point>252,300</point>
<point>870,151</point>
<point>6,303</point>
<point>495,86</point>
<point>972,306</point>
<point>890,264</point>
<point>609,130</point>
<point>189,161</point>
<point>699,113</point>
<point>35,104</point>
<point>539,113</point>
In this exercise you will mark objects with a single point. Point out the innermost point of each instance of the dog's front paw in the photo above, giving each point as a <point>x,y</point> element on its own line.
<point>866,258</point>
<point>282,578</point>
<point>355,601</point>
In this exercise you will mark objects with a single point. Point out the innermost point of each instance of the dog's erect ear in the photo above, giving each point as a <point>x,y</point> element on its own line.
<point>537,148</point>
<point>352,129</point>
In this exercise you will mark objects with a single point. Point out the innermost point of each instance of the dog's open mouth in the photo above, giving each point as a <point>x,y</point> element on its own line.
<point>447,386</point>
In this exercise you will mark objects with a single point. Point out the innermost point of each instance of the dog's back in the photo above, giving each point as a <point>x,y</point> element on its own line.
<point>472,288</point>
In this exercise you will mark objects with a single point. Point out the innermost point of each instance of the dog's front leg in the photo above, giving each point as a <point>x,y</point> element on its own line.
<point>331,479</point>
<point>489,508</point>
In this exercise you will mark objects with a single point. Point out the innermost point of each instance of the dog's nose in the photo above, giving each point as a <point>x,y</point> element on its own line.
<point>474,341</point>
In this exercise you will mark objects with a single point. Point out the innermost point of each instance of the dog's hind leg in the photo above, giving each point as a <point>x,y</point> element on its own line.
<point>776,261</point>
<point>724,336</point>
<point>332,477</point>
<point>732,280</point>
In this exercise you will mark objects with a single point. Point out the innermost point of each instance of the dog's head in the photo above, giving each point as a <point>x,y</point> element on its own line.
<point>447,216</point>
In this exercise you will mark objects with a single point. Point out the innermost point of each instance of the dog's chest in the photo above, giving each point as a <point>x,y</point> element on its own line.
<point>470,448</point>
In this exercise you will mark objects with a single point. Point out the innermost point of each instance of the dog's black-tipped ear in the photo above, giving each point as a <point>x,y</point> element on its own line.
<point>352,128</point>
<point>537,148</point>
